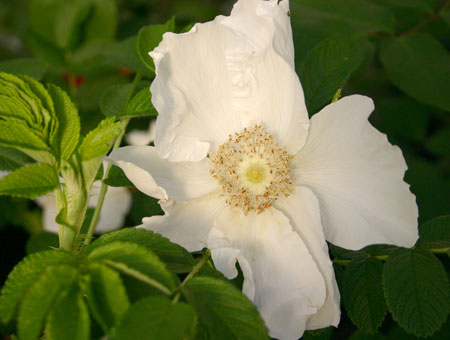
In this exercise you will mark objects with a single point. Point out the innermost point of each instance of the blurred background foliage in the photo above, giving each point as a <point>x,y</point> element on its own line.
<point>394,51</point>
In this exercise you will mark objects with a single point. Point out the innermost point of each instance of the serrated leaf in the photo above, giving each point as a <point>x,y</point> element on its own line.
<point>420,66</point>
<point>363,293</point>
<point>156,318</point>
<point>141,105</point>
<point>11,159</point>
<point>176,258</point>
<point>112,101</point>
<point>69,121</point>
<point>212,299</point>
<point>149,37</point>
<point>23,275</point>
<point>326,69</point>
<point>117,178</point>
<point>135,260</point>
<point>435,234</point>
<point>69,317</point>
<point>417,290</point>
<point>32,67</point>
<point>38,300</point>
<point>106,295</point>
<point>98,142</point>
<point>30,181</point>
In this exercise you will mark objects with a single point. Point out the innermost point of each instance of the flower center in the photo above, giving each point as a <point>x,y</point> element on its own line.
<point>252,169</point>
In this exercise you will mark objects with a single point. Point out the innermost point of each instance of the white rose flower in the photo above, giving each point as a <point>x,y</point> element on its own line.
<point>240,168</point>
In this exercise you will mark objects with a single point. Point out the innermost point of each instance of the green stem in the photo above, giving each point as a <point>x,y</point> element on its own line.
<point>104,187</point>
<point>194,271</point>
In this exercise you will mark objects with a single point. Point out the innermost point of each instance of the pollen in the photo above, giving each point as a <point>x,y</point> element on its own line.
<point>252,169</point>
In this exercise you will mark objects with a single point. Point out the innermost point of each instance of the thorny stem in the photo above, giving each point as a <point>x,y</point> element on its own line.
<point>104,187</point>
<point>385,257</point>
<point>194,271</point>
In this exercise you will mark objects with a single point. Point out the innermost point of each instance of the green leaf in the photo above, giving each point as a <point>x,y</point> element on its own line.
<point>11,159</point>
<point>98,142</point>
<point>69,317</point>
<point>326,69</point>
<point>435,234</point>
<point>106,295</point>
<point>69,121</point>
<point>25,274</point>
<point>417,290</point>
<point>102,22</point>
<point>30,181</point>
<point>420,66</point>
<point>359,15</point>
<point>141,105</point>
<point>149,37</point>
<point>135,260</point>
<point>156,318</point>
<point>438,142</point>
<point>32,67</point>
<point>117,178</point>
<point>39,299</point>
<point>176,258</point>
<point>363,293</point>
<point>45,50</point>
<point>226,312</point>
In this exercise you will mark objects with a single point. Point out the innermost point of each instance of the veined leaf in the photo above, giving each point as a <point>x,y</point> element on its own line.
<point>106,295</point>
<point>69,317</point>
<point>98,142</point>
<point>212,298</point>
<point>69,121</point>
<point>25,274</point>
<point>420,66</point>
<point>363,293</point>
<point>32,67</point>
<point>156,318</point>
<point>135,260</point>
<point>11,159</point>
<point>435,233</point>
<point>39,298</point>
<point>417,290</point>
<point>175,257</point>
<point>141,104</point>
<point>149,37</point>
<point>30,181</point>
<point>116,178</point>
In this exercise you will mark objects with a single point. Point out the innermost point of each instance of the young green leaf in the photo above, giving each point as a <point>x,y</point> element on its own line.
<point>149,37</point>
<point>326,69</point>
<point>156,318</point>
<point>69,121</point>
<point>417,290</point>
<point>116,178</point>
<point>30,181</point>
<point>69,317</point>
<point>106,295</point>
<point>32,67</point>
<point>435,234</point>
<point>38,300</point>
<point>98,142</point>
<point>363,293</point>
<point>134,260</point>
<point>212,299</point>
<point>176,258</point>
<point>11,159</point>
<point>420,66</point>
<point>25,274</point>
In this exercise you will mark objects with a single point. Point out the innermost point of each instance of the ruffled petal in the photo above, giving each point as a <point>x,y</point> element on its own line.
<point>302,209</point>
<point>357,175</point>
<point>187,223</point>
<point>192,93</point>
<point>280,276</point>
<point>260,59</point>
<point>163,179</point>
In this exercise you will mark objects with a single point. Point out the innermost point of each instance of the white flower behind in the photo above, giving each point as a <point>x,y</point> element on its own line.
<point>240,168</point>
<point>139,137</point>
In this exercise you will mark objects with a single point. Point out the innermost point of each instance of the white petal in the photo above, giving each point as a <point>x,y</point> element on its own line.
<point>260,58</point>
<point>280,276</point>
<point>116,205</point>
<point>192,92</point>
<point>155,176</point>
<point>357,176</point>
<point>302,209</point>
<point>187,223</point>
